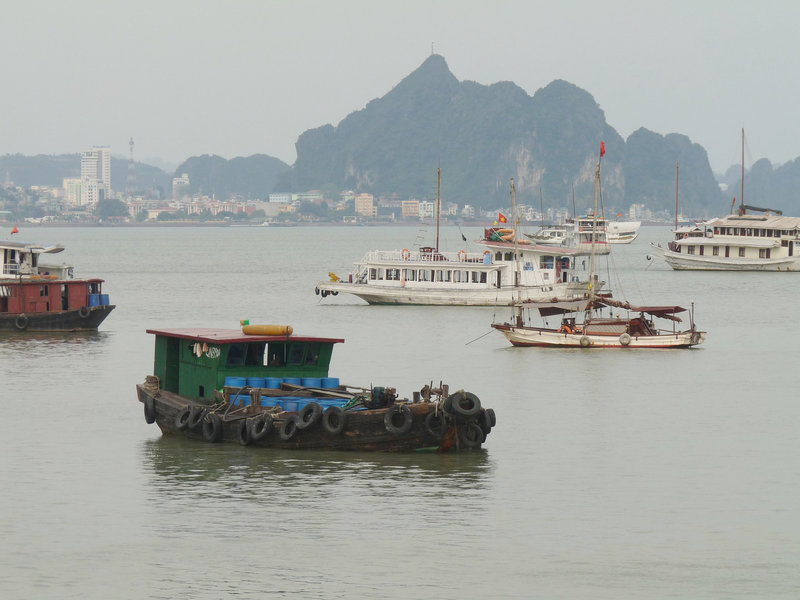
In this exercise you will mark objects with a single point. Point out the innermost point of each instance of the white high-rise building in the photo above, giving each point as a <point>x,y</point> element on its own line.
<point>95,175</point>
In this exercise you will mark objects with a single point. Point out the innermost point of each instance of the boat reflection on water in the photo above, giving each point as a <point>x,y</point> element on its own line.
<point>184,469</point>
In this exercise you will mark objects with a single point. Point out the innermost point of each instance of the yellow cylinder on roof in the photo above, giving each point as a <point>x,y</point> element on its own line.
<point>267,329</point>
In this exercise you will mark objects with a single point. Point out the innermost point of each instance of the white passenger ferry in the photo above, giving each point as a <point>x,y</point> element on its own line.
<point>744,241</point>
<point>485,278</point>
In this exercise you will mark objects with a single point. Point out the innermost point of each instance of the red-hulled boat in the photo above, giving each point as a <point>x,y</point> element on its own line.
<point>38,297</point>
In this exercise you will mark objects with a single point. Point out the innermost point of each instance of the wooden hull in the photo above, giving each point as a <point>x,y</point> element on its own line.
<point>85,319</point>
<point>364,430</point>
<point>551,338</point>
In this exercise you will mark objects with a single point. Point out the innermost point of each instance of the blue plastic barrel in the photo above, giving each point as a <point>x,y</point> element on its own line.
<point>329,382</point>
<point>256,382</point>
<point>104,300</point>
<point>232,381</point>
<point>272,383</point>
<point>268,401</point>
<point>94,299</point>
<point>292,380</point>
<point>289,405</point>
<point>310,382</point>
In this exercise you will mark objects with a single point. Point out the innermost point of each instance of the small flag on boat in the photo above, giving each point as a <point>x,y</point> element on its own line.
<point>602,149</point>
<point>15,230</point>
<point>502,218</point>
<point>244,322</point>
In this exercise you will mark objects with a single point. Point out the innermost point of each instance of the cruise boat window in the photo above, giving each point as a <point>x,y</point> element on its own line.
<point>509,256</point>
<point>442,275</point>
<point>392,274</point>
<point>424,275</point>
<point>236,353</point>
<point>727,251</point>
<point>498,256</point>
<point>373,274</point>
<point>546,262</point>
<point>715,251</point>
<point>411,274</point>
<point>296,354</point>
<point>741,252</point>
<point>690,250</point>
<point>702,250</point>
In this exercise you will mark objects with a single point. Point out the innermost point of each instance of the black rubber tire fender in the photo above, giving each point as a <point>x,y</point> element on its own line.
<point>182,418</point>
<point>288,429</point>
<point>260,427</point>
<point>21,322</point>
<point>309,415</point>
<point>212,427</point>
<point>398,419</point>
<point>465,404</point>
<point>471,435</point>
<point>196,414</point>
<point>436,423</point>
<point>84,312</point>
<point>334,420</point>
<point>149,410</point>
<point>243,431</point>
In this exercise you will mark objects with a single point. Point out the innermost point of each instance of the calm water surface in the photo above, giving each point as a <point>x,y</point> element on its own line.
<point>611,474</point>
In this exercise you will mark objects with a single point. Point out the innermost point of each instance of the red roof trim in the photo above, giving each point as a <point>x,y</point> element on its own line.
<point>233,336</point>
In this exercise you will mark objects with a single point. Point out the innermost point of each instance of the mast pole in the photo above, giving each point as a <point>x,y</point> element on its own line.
<point>677,181</point>
<point>517,277</point>
<point>594,220</point>
<point>741,198</point>
<point>438,204</point>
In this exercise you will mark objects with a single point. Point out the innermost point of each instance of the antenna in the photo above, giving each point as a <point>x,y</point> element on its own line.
<point>130,184</point>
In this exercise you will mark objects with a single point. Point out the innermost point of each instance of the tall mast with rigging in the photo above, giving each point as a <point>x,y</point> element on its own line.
<point>517,276</point>
<point>594,219</point>
<point>438,204</point>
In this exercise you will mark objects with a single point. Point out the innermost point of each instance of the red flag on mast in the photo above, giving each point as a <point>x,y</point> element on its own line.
<point>502,218</point>
<point>602,149</point>
<point>15,230</point>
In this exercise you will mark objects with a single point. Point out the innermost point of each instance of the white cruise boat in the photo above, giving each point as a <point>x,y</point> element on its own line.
<point>744,241</point>
<point>486,278</point>
<point>549,235</point>
<point>622,232</point>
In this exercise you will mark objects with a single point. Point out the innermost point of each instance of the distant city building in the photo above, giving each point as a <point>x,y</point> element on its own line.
<point>72,192</point>
<point>427,209</point>
<point>283,198</point>
<point>410,209</point>
<point>180,186</point>
<point>95,175</point>
<point>310,196</point>
<point>365,205</point>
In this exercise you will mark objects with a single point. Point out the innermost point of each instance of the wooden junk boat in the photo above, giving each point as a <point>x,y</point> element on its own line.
<point>39,297</point>
<point>267,387</point>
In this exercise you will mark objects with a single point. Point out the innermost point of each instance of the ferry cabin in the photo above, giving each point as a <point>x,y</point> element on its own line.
<point>195,362</point>
<point>48,295</point>
<point>741,236</point>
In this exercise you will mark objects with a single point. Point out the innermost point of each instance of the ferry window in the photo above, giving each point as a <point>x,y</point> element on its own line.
<point>373,274</point>
<point>715,251</point>
<point>741,252</point>
<point>424,275</point>
<point>392,274</point>
<point>727,251</point>
<point>475,277</point>
<point>546,262</point>
<point>702,250</point>
<point>442,275</point>
<point>276,355</point>
<point>236,354</point>
<point>508,256</point>
<point>690,250</point>
<point>312,358</point>
<point>380,273</point>
<point>784,243</point>
<point>498,256</point>
<point>296,354</point>
<point>411,275</point>
<point>483,276</point>
<point>762,253</point>
<point>254,354</point>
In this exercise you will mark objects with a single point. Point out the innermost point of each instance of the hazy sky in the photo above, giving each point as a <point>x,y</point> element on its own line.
<point>236,78</point>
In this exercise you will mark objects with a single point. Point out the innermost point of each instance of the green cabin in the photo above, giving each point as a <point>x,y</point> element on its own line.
<point>195,362</point>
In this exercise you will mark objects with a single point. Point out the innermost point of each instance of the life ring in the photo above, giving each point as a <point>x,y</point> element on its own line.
<point>625,339</point>
<point>244,433</point>
<point>212,428</point>
<point>465,404</point>
<point>435,424</point>
<point>260,427</point>
<point>84,311</point>
<point>471,435</point>
<point>334,420</point>
<point>505,231</point>
<point>288,429</point>
<point>149,410</point>
<point>398,419</point>
<point>309,415</point>
<point>564,329</point>
<point>585,341</point>
<point>462,255</point>
<point>405,254</point>
<point>182,418</point>
<point>21,322</point>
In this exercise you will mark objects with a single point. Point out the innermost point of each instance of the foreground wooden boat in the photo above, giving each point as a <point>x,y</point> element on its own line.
<point>39,297</point>
<point>271,388</point>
